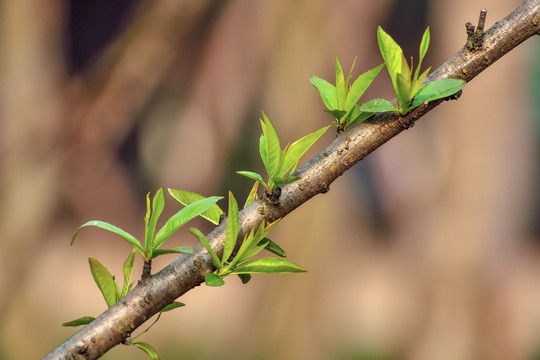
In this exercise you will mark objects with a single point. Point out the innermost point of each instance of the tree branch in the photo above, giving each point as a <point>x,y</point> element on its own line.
<point>188,271</point>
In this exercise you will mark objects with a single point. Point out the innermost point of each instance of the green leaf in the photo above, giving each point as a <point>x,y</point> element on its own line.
<point>182,217</point>
<point>272,247</point>
<point>127,269</point>
<point>268,265</point>
<point>417,83</point>
<point>244,278</point>
<point>158,203</point>
<point>252,194</point>
<point>172,306</point>
<point>271,146</point>
<point>147,348</point>
<point>378,105</point>
<point>253,176</point>
<point>438,89</point>
<point>176,250</point>
<point>341,89</point>
<point>403,94</point>
<point>186,197</point>
<point>278,181</point>
<point>106,226</point>
<point>356,115</point>
<point>297,149</point>
<point>206,244</point>
<point>233,227</point>
<point>360,85</point>
<point>85,320</point>
<point>391,53</point>
<point>212,279</point>
<point>424,45</point>
<point>338,114</point>
<point>327,91</point>
<point>104,281</point>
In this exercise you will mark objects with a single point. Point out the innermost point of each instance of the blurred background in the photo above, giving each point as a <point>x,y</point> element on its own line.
<point>428,249</point>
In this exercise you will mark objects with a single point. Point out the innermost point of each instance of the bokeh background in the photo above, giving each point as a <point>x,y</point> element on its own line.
<point>428,249</point>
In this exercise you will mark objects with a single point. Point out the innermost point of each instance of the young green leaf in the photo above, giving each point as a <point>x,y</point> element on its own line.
<point>267,265</point>
<point>104,281</point>
<point>252,176</point>
<point>272,247</point>
<point>378,105</point>
<point>151,218</point>
<point>172,306</point>
<point>341,88</point>
<point>360,85</point>
<point>424,45</point>
<point>186,198</point>
<point>271,146</point>
<point>327,91</point>
<point>252,194</point>
<point>204,242</point>
<point>297,149</point>
<point>127,269</point>
<point>147,348</point>
<point>438,89</point>
<point>176,250</point>
<point>212,279</point>
<point>106,226</point>
<point>85,320</point>
<point>181,218</point>
<point>233,227</point>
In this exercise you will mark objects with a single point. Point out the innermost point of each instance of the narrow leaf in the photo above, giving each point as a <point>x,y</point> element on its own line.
<point>182,217</point>
<point>176,250</point>
<point>252,194</point>
<point>206,244</point>
<point>272,147</point>
<point>268,265</point>
<point>127,269</point>
<point>360,85</point>
<point>158,203</point>
<point>252,176</point>
<point>147,348</point>
<point>278,181</point>
<point>104,281</point>
<point>297,149</point>
<point>356,115</point>
<point>391,53</point>
<point>233,227</point>
<point>109,227</point>
<point>424,45</point>
<point>438,89</point>
<point>212,279</point>
<point>417,83</point>
<point>273,247</point>
<point>341,90</point>
<point>172,306</point>
<point>378,105</point>
<point>187,197</point>
<point>85,320</point>
<point>403,91</point>
<point>327,91</point>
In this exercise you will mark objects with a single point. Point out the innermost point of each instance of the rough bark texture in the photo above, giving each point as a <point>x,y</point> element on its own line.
<point>188,271</point>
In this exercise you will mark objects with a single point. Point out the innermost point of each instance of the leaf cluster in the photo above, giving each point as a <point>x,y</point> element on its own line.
<point>243,262</point>
<point>279,164</point>
<point>408,85</point>
<point>341,100</point>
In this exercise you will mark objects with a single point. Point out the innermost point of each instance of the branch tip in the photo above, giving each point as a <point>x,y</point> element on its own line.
<point>475,38</point>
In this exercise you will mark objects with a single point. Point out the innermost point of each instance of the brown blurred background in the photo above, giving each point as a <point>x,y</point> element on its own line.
<point>428,249</point>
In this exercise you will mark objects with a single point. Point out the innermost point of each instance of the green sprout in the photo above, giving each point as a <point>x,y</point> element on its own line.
<point>408,86</point>
<point>280,163</point>
<point>152,240</point>
<point>341,99</point>
<point>242,263</point>
<point>112,293</point>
